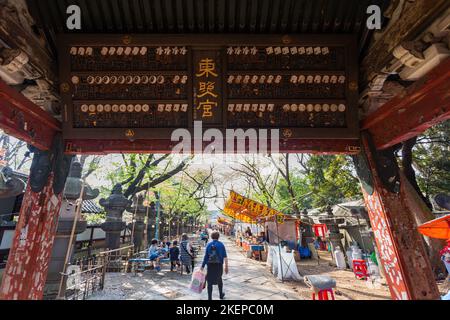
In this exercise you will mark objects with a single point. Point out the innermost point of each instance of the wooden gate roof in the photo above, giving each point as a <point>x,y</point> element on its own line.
<point>209,16</point>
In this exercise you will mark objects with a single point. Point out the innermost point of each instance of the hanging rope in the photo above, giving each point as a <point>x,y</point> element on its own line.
<point>79,203</point>
<point>147,192</point>
<point>133,222</point>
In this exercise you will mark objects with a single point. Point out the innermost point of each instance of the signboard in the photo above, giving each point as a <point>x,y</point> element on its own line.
<point>208,87</point>
<point>247,210</point>
<point>146,86</point>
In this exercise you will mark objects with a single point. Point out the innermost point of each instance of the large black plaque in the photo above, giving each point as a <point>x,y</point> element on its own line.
<point>144,87</point>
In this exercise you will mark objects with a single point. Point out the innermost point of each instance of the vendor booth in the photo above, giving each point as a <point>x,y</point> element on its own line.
<point>245,210</point>
<point>225,226</point>
<point>279,232</point>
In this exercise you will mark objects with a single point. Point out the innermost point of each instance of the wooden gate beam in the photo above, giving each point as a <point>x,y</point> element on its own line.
<point>423,105</point>
<point>316,146</point>
<point>22,119</point>
<point>415,17</point>
<point>17,31</point>
<point>401,248</point>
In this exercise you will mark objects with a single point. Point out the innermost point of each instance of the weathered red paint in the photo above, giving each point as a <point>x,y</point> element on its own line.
<point>423,105</point>
<point>401,249</point>
<point>322,146</point>
<point>27,266</point>
<point>21,118</point>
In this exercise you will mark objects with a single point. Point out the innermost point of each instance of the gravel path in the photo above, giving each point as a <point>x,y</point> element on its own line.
<point>247,280</point>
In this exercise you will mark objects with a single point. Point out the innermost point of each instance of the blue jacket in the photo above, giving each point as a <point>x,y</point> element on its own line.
<point>220,250</point>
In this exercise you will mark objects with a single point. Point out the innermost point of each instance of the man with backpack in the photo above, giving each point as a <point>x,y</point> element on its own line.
<point>215,258</point>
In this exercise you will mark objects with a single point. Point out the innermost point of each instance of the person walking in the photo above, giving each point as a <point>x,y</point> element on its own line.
<point>186,253</point>
<point>215,258</point>
<point>204,237</point>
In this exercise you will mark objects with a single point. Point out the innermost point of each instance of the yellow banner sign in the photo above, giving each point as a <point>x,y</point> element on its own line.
<point>249,211</point>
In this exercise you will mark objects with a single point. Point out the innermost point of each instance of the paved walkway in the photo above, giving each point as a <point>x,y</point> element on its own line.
<point>247,279</point>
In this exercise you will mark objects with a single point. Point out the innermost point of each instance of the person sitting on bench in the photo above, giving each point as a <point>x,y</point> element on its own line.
<point>154,254</point>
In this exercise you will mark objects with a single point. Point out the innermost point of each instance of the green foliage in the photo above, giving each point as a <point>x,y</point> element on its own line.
<point>95,218</point>
<point>324,180</point>
<point>300,182</point>
<point>301,190</point>
<point>431,160</point>
<point>127,169</point>
<point>332,179</point>
<point>183,196</point>
<point>182,193</point>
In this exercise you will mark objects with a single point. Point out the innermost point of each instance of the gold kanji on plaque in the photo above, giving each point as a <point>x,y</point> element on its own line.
<point>207,67</point>
<point>206,88</point>
<point>207,106</point>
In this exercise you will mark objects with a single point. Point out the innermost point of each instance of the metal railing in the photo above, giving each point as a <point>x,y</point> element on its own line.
<point>84,278</point>
<point>87,275</point>
<point>116,260</point>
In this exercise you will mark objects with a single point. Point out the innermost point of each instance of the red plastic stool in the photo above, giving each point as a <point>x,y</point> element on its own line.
<point>323,294</point>
<point>360,269</point>
<point>256,254</point>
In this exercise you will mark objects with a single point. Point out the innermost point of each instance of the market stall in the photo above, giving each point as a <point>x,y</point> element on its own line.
<point>286,232</point>
<point>225,226</point>
<point>250,212</point>
<point>279,232</point>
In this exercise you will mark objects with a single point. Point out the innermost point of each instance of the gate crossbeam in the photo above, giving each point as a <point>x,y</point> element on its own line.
<point>21,118</point>
<point>423,105</point>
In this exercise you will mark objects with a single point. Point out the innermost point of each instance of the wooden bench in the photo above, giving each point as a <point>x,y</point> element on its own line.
<point>139,263</point>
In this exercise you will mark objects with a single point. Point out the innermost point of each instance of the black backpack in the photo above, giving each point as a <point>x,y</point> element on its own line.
<point>213,257</point>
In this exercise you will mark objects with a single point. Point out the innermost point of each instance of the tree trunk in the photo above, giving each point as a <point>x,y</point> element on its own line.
<point>408,170</point>
<point>170,228</point>
<point>422,204</point>
<point>295,208</point>
<point>422,214</point>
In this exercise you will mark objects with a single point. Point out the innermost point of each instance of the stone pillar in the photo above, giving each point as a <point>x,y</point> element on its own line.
<point>66,219</point>
<point>139,211</point>
<point>333,226</point>
<point>114,206</point>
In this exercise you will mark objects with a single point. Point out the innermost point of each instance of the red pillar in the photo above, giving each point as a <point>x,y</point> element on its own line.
<point>26,270</point>
<point>402,252</point>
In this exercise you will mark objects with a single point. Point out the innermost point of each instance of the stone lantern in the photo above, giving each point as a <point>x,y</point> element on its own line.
<point>66,219</point>
<point>10,188</point>
<point>332,224</point>
<point>139,210</point>
<point>114,206</point>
